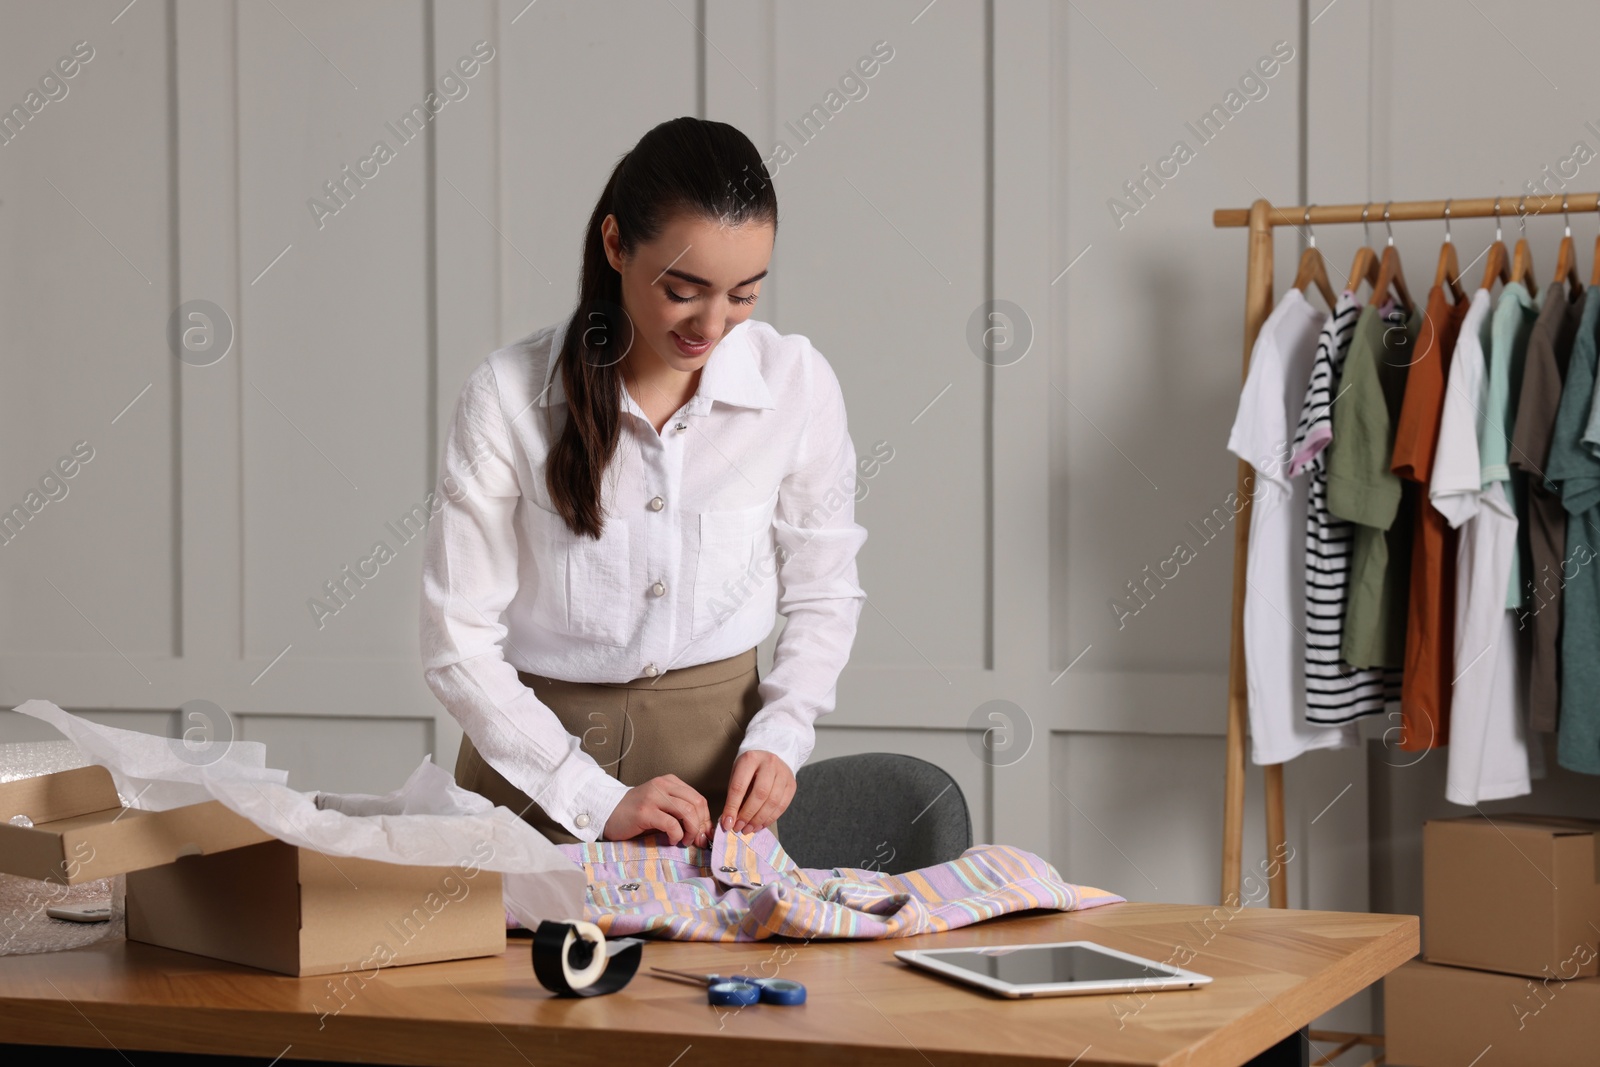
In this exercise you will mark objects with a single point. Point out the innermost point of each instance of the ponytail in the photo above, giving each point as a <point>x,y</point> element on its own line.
<point>684,164</point>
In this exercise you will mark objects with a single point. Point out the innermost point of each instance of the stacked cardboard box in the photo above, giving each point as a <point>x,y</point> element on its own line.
<point>1510,947</point>
<point>205,880</point>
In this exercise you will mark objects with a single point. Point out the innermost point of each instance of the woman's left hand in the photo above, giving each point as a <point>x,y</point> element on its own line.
<point>759,791</point>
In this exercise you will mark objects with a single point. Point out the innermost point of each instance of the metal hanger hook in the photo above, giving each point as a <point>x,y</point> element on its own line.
<point>1447,238</point>
<point>1497,235</point>
<point>1566,216</point>
<point>1386,223</point>
<point>1366,230</point>
<point>1522,216</point>
<point>1311,235</point>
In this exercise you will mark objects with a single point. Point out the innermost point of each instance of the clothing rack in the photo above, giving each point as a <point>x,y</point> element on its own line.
<point>1260,218</point>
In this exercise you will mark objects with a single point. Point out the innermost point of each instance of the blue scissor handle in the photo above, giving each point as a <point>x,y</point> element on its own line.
<point>733,994</point>
<point>782,991</point>
<point>741,990</point>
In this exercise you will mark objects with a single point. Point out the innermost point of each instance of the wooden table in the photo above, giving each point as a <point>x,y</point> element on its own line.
<point>1275,971</point>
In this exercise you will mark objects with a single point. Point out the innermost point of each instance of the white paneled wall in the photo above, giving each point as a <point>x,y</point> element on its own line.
<point>86,226</point>
<point>984,159</point>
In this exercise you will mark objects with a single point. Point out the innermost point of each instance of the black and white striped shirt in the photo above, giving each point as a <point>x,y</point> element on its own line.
<point>1335,691</point>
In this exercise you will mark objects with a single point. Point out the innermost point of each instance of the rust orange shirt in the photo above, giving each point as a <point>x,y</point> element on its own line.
<point>1430,616</point>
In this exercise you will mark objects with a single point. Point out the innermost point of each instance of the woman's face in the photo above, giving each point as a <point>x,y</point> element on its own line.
<point>685,290</point>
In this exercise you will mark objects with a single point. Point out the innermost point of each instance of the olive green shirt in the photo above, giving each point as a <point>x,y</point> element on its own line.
<point>1365,491</point>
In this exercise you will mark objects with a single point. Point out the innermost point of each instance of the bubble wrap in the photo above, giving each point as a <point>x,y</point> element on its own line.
<point>24,927</point>
<point>29,759</point>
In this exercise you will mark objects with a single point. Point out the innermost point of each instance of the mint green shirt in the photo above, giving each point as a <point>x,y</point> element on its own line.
<point>1512,323</point>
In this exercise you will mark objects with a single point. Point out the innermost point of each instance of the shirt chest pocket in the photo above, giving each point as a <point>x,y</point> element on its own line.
<point>585,586</point>
<point>735,551</point>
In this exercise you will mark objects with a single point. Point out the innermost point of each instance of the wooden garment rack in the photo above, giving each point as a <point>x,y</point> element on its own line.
<point>1261,217</point>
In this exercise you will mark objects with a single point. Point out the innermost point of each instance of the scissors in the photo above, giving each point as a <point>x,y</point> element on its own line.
<point>741,990</point>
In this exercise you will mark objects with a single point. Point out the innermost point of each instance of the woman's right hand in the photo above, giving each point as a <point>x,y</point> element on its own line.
<point>666,804</point>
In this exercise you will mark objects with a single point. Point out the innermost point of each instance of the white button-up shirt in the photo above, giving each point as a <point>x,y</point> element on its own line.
<point>741,507</point>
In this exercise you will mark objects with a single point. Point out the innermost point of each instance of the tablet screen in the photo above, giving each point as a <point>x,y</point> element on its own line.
<point>1053,963</point>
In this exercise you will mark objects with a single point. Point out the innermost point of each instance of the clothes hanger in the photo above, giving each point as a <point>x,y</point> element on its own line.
<point>1365,268</point>
<point>1497,269</point>
<point>1567,257</point>
<point>1449,272</point>
<point>1594,278</point>
<point>1313,269</point>
<point>1390,272</point>
<point>1522,258</point>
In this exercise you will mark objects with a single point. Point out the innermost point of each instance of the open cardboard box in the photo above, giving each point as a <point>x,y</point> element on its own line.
<point>203,879</point>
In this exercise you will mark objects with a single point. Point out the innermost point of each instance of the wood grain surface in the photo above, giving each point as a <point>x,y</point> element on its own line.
<point>1275,971</point>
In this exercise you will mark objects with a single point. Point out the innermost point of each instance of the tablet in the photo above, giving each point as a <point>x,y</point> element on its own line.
<point>1060,968</point>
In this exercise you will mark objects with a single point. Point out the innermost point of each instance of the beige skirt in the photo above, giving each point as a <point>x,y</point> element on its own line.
<point>689,722</point>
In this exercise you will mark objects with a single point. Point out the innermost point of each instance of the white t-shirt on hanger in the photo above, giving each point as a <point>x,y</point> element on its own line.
<point>1488,748</point>
<point>1274,607</point>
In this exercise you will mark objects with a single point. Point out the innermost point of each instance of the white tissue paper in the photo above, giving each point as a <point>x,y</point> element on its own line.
<point>430,821</point>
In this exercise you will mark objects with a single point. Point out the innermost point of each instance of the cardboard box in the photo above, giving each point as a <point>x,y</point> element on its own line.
<point>82,832</point>
<point>301,912</point>
<point>203,879</point>
<point>1437,1016</point>
<point>1515,893</point>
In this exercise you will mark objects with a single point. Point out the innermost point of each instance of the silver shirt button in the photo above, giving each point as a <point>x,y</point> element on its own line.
<point>659,589</point>
<point>682,426</point>
<point>582,820</point>
<point>657,504</point>
<point>650,670</point>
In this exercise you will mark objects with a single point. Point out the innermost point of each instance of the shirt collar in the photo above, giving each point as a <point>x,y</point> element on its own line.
<point>731,375</point>
<point>1516,292</point>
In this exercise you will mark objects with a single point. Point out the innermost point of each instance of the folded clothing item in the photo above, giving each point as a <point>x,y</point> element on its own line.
<point>744,887</point>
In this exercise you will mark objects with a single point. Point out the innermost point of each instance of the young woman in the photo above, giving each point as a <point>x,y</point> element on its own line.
<point>628,498</point>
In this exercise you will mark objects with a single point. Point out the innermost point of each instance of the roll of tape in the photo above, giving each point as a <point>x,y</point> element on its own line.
<point>571,959</point>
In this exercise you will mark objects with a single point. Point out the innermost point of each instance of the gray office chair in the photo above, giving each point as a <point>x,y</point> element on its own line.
<point>879,810</point>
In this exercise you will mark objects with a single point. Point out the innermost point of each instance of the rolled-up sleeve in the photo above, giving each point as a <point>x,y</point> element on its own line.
<point>469,575</point>
<point>817,539</point>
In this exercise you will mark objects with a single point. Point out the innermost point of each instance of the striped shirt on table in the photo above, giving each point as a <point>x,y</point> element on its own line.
<point>744,887</point>
<point>1335,691</point>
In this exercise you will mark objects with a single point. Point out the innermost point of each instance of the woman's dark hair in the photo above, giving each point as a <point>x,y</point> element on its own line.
<point>685,164</point>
